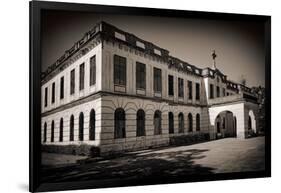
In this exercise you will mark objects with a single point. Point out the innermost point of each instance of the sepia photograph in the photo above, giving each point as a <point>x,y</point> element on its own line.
<point>141,99</point>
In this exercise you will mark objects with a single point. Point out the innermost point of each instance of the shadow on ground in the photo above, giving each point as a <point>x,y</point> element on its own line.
<point>138,165</point>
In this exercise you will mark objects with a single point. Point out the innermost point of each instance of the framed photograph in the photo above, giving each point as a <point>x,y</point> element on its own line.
<point>126,96</point>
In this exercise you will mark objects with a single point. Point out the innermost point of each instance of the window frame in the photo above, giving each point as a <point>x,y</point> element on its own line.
<point>140,76</point>
<point>120,70</point>
<point>197,91</point>
<point>180,87</point>
<point>140,126</point>
<point>189,85</point>
<point>93,69</point>
<point>119,123</point>
<point>72,82</point>
<point>62,87</point>
<point>82,76</point>
<point>157,80</point>
<point>170,85</point>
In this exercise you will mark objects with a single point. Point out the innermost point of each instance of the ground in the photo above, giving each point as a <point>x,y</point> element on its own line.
<point>219,156</point>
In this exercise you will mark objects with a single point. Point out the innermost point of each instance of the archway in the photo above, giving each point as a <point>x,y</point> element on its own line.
<point>225,125</point>
<point>252,122</point>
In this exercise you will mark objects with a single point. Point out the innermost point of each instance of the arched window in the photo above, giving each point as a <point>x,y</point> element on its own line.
<point>81,127</point>
<point>53,131</point>
<point>190,123</point>
<point>157,123</point>
<point>92,125</point>
<point>61,130</point>
<point>119,123</point>
<point>140,123</point>
<point>197,122</point>
<point>71,128</point>
<point>45,132</point>
<point>181,123</point>
<point>171,122</point>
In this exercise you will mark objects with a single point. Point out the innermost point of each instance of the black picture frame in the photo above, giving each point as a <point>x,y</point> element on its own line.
<point>36,8</point>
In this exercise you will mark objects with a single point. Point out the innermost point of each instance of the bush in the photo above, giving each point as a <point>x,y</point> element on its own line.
<point>84,150</point>
<point>189,139</point>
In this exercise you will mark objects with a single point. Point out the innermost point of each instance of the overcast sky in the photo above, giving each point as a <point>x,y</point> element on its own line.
<point>239,45</point>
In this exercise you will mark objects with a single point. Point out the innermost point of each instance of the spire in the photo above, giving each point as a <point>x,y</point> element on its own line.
<point>214,55</point>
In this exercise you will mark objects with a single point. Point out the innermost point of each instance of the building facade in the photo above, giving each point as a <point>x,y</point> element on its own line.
<point>117,92</point>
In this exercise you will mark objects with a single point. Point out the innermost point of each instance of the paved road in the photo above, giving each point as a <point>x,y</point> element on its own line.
<point>224,155</point>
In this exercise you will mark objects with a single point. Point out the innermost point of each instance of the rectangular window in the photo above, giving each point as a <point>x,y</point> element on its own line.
<point>140,75</point>
<point>197,88</point>
<point>157,74</point>
<point>61,87</point>
<point>119,70</point>
<point>93,70</point>
<point>81,76</point>
<point>180,87</point>
<point>171,85</point>
<point>53,92</point>
<point>189,85</point>
<point>223,92</point>
<point>211,91</point>
<point>72,81</point>
<point>218,91</point>
<point>46,96</point>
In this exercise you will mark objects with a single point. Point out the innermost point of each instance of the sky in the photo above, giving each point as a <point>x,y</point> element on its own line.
<point>239,45</point>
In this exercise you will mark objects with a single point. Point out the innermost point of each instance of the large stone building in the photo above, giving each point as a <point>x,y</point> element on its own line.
<point>117,92</point>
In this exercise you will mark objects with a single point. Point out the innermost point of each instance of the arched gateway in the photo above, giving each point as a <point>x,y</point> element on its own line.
<point>237,119</point>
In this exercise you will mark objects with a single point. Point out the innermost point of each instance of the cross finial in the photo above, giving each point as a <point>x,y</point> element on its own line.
<point>214,55</point>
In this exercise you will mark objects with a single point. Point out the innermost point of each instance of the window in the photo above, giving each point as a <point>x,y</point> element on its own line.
<point>190,122</point>
<point>218,91</point>
<point>157,123</point>
<point>157,74</point>
<point>227,94</point>
<point>61,87</point>
<point>197,122</point>
<point>223,92</point>
<point>119,70</point>
<point>119,123</point>
<point>81,76</point>
<point>171,85</point>
<point>61,130</point>
<point>189,84</point>
<point>53,131</point>
<point>180,87</point>
<point>223,123</point>
<point>140,44</point>
<point>71,128</point>
<point>140,75</point>
<point>171,122</point>
<point>72,81</point>
<point>211,91</point>
<point>53,92</point>
<point>92,130</point>
<point>140,123</point>
<point>45,132</point>
<point>120,36</point>
<point>181,123</point>
<point>197,88</point>
<point>46,96</point>
<point>158,52</point>
<point>93,70</point>
<point>81,127</point>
